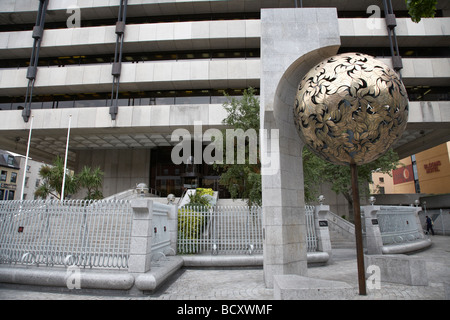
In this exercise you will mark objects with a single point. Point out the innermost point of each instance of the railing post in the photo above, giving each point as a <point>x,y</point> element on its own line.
<point>173,226</point>
<point>374,242</point>
<point>141,236</point>
<point>322,231</point>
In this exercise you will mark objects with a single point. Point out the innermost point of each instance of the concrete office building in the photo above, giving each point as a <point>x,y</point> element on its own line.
<point>427,172</point>
<point>129,73</point>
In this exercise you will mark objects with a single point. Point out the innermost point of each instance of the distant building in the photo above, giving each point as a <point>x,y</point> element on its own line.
<point>9,173</point>
<point>12,167</point>
<point>426,172</point>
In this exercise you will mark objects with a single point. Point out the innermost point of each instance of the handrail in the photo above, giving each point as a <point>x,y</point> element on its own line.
<point>340,223</point>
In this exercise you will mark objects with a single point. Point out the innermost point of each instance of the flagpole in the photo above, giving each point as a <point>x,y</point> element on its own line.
<point>65,160</point>
<point>26,159</point>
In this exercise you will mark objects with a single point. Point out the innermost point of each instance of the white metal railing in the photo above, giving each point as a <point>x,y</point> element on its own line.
<point>228,230</point>
<point>311,237</point>
<point>224,229</point>
<point>82,233</point>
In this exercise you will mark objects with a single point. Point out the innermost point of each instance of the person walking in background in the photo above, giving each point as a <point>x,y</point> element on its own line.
<point>429,225</point>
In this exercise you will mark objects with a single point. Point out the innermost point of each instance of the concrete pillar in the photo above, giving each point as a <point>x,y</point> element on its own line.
<point>374,242</point>
<point>141,236</point>
<point>322,230</point>
<point>292,42</point>
<point>173,227</point>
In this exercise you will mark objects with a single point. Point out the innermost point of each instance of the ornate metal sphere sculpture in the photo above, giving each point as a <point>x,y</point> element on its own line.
<point>350,109</point>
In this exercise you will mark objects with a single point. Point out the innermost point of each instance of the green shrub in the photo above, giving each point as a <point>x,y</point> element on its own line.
<point>203,191</point>
<point>190,228</point>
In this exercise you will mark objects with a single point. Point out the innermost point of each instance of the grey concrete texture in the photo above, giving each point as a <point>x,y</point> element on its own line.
<point>248,283</point>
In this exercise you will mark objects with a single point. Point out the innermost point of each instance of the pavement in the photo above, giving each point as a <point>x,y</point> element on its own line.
<point>248,283</point>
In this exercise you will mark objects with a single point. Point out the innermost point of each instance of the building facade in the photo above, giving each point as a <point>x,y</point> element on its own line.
<point>125,74</point>
<point>9,174</point>
<point>427,172</point>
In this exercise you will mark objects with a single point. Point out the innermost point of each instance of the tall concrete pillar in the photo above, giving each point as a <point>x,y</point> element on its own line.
<point>292,42</point>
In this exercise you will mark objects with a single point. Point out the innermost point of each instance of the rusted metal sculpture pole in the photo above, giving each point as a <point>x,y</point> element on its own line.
<point>358,231</point>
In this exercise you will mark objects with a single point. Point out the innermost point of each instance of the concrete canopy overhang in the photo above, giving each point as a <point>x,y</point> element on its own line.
<point>138,127</point>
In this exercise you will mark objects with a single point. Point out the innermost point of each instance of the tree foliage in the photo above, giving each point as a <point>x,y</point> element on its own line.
<point>52,180</point>
<point>419,9</point>
<point>92,180</point>
<point>317,171</point>
<point>242,180</point>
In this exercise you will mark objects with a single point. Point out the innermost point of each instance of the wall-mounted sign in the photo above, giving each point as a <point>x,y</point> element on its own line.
<point>323,223</point>
<point>8,186</point>
<point>403,174</point>
<point>432,166</point>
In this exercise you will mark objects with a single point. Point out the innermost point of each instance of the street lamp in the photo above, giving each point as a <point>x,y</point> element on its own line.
<point>349,110</point>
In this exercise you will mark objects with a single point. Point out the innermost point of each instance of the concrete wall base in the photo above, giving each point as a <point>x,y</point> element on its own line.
<point>399,269</point>
<point>121,281</point>
<point>406,247</point>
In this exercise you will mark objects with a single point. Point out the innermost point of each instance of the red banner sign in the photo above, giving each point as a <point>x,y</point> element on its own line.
<point>403,174</point>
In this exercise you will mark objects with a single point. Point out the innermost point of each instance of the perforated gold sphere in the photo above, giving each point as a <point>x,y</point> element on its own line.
<point>350,109</point>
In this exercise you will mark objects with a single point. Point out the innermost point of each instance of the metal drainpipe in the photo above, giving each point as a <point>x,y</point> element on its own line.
<point>391,24</point>
<point>117,65</point>
<point>38,32</point>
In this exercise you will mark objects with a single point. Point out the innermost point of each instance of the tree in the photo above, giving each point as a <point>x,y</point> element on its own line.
<point>242,180</point>
<point>92,180</point>
<point>418,9</point>
<point>317,171</point>
<point>52,178</point>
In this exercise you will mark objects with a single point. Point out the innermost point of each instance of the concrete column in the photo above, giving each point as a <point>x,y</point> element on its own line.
<point>141,236</point>
<point>173,227</point>
<point>292,42</point>
<point>419,224</point>
<point>374,242</point>
<point>322,230</point>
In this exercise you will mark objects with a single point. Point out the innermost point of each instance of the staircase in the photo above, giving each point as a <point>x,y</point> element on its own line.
<point>341,241</point>
<point>342,232</point>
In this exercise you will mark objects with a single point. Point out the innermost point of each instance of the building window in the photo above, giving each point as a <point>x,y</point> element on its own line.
<point>11,195</point>
<point>38,182</point>
<point>13,177</point>
<point>381,190</point>
<point>26,181</point>
<point>10,160</point>
<point>3,175</point>
<point>2,194</point>
<point>381,179</point>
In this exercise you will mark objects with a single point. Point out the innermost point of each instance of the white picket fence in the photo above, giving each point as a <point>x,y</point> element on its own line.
<point>228,230</point>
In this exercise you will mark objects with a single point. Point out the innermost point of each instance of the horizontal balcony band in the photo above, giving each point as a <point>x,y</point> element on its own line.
<point>138,38</point>
<point>178,75</point>
<point>205,35</point>
<point>184,75</point>
<point>25,11</point>
<point>152,119</point>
